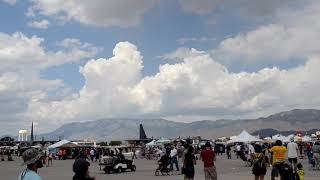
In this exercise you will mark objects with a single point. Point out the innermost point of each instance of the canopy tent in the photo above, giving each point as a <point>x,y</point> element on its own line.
<point>233,137</point>
<point>244,137</point>
<point>152,143</point>
<point>288,138</point>
<point>62,144</point>
<point>163,141</point>
<point>268,139</point>
<point>279,137</point>
<point>306,139</point>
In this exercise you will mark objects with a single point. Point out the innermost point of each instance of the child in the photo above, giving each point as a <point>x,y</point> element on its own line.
<point>300,171</point>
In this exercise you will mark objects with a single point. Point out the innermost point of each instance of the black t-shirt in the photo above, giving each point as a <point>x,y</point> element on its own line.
<point>189,159</point>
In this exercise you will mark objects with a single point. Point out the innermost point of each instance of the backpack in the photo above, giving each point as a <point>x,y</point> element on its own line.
<point>258,164</point>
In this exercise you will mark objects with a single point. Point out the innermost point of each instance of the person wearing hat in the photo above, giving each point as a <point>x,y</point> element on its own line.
<point>31,158</point>
<point>81,170</point>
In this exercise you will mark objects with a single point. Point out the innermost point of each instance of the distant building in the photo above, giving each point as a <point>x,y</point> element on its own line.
<point>23,135</point>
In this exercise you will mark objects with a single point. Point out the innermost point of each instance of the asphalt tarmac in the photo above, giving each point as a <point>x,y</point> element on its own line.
<point>233,169</point>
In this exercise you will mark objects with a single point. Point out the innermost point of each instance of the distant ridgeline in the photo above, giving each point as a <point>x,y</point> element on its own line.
<point>271,132</point>
<point>307,121</point>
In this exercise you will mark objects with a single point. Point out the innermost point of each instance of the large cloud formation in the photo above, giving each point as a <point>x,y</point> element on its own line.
<point>22,59</point>
<point>252,8</point>
<point>199,85</point>
<point>121,13</point>
<point>294,36</point>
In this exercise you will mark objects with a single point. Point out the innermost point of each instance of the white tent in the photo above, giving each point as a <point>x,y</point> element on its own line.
<point>163,141</point>
<point>152,143</point>
<point>62,143</point>
<point>288,138</point>
<point>244,137</point>
<point>306,139</point>
<point>268,138</point>
<point>279,137</point>
<point>233,137</point>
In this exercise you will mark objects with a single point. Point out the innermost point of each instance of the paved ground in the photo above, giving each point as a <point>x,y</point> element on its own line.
<point>62,170</point>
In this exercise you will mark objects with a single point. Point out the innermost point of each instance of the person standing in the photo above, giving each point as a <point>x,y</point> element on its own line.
<point>188,164</point>
<point>229,152</point>
<point>168,150</point>
<point>2,155</point>
<point>31,158</point>
<point>238,150</point>
<point>60,154</point>
<point>44,158</point>
<point>259,168</point>
<point>92,154</point>
<point>278,157</point>
<point>293,153</point>
<point>186,147</point>
<point>174,158</point>
<point>134,156</point>
<point>208,157</point>
<point>50,157</point>
<point>64,154</point>
<point>309,151</point>
<point>97,154</point>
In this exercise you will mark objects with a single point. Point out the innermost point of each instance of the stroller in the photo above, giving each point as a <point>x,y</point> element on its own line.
<point>162,168</point>
<point>246,158</point>
<point>286,172</point>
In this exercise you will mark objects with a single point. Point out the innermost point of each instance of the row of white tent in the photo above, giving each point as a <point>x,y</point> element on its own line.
<point>288,138</point>
<point>245,137</point>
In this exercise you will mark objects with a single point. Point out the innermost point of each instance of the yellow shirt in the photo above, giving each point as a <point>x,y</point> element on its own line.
<point>301,174</point>
<point>279,153</point>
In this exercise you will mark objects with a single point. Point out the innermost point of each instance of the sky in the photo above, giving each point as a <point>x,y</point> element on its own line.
<point>183,60</point>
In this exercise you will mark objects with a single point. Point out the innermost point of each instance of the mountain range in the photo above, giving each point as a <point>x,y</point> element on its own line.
<point>120,129</point>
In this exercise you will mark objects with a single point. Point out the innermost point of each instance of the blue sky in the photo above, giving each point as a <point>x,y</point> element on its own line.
<point>158,33</point>
<point>206,59</point>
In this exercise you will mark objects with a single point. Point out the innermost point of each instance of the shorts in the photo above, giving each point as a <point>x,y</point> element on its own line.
<point>261,171</point>
<point>210,173</point>
<point>275,171</point>
<point>293,160</point>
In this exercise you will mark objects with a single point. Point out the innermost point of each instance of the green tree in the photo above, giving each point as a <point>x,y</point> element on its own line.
<point>103,143</point>
<point>115,143</point>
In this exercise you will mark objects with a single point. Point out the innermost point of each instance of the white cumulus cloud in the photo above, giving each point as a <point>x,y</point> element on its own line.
<point>22,58</point>
<point>198,85</point>
<point>121,13</point>
<point>19,52</point>
<point>43,24</point>
<point>251,8</point>
<point>293,36</point>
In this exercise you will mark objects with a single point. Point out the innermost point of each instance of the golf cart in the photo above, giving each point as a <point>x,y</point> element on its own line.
<point>116,164</point>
